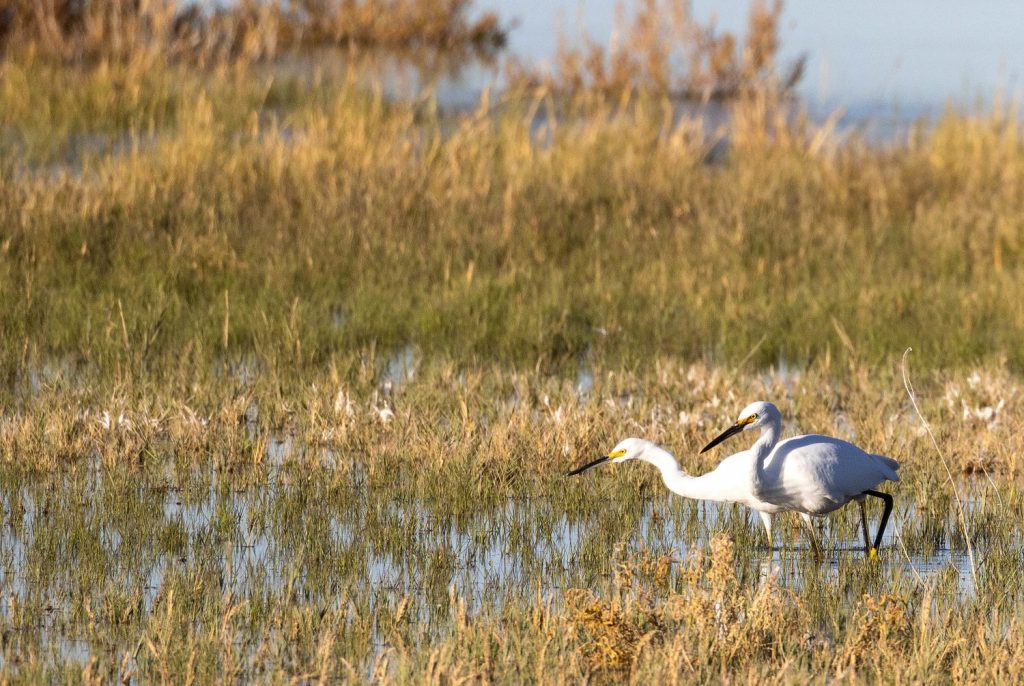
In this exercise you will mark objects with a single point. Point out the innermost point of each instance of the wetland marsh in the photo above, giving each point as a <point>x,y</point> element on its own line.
<point>293,371</point>
<point>441,540</point>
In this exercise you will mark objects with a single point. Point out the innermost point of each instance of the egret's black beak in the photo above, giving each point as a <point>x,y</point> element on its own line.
<point>731,431</point>
<point>589,465</point>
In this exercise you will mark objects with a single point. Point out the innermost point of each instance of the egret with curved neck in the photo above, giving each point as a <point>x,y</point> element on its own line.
<point>812,475</point>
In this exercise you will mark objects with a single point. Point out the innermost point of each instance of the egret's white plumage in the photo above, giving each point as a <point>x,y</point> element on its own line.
<point>812,475</point>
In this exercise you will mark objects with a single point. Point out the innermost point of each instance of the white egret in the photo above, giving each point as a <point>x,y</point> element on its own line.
<point>812,475</point>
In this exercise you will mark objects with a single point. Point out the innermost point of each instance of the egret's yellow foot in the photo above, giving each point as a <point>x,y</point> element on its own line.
<point>873,553</point>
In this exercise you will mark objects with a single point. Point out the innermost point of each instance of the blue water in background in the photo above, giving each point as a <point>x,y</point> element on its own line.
<point>905,59</point>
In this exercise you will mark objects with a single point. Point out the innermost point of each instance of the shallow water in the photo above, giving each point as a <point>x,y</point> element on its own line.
<point>389,547</point>
<point>282,540</point>
<point>882,62</point>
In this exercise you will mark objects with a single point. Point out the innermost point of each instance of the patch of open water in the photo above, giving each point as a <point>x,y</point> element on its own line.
<point>516,551</point>
<point>515,547</point>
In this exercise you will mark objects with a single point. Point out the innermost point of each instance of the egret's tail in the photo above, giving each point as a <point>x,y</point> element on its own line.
<point>889,467</point>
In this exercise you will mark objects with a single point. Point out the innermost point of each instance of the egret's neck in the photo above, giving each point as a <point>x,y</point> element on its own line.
<point>764,444</point>
<point>707,487</point>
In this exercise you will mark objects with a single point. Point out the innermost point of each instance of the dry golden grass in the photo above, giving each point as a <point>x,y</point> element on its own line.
<point>666,51</point>
<point>245,31</point>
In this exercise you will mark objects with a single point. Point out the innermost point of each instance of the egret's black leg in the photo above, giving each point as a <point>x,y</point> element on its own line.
<point>887,499</point>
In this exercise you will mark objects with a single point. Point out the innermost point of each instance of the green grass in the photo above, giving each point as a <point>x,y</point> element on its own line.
<point>478,245</point>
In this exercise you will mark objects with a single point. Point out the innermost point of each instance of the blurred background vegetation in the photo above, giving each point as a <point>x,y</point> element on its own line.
<point>237,183</point>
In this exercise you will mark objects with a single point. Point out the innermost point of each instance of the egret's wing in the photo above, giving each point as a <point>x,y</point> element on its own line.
<point>820,473</point>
